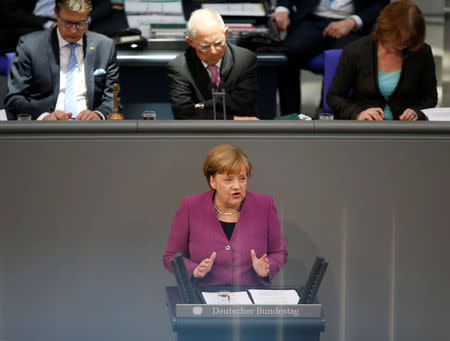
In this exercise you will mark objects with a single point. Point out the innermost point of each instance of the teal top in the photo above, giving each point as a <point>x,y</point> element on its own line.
<point>387,81</point>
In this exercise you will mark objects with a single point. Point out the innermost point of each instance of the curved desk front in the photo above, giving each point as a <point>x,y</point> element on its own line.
<point>86,210</point>
<point>144,80</point>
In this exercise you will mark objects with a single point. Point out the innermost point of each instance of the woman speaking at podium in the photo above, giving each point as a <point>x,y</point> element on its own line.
<point>228,235</point>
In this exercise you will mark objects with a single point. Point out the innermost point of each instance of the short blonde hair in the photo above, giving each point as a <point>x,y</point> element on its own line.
<point>225,158</point>
<point>401,20</point>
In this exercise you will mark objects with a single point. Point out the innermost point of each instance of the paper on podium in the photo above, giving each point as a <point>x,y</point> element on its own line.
<point>274,296</point>
<point>238,297</point>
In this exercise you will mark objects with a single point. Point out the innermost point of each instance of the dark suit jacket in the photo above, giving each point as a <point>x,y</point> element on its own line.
<point>358,70</point>
<point>367,10</point>
<point>17,19</point>
<point>33,83</point>
<point>190,84</point>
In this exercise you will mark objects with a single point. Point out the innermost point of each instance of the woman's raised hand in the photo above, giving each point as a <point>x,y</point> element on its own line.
<point>260,265</point>
<point>204,267</point>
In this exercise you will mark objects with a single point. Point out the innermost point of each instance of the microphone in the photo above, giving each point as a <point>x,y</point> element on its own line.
<point>222,93</point>
<point>216,92</point>
<point>213,87</point>
<point>222,87</point>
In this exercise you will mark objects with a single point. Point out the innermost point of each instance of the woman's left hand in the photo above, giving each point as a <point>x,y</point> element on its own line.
<point>409,115</point>
<point>261,265</point>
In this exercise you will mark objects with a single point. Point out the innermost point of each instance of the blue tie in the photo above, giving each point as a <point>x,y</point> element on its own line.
<point>70,101</point>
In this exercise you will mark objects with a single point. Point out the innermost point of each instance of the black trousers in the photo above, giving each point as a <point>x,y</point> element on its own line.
<point>303,42</point>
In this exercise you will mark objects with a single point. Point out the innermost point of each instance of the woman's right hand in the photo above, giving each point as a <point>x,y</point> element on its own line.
<point>204,267</point>
<point>371,114</point>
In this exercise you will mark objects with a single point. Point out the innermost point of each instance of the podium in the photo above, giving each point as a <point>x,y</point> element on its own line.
<point>301,322</point>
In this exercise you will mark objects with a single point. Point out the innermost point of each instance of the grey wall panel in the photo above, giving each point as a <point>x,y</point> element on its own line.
<point>433,7</point>
<point>85,220</point>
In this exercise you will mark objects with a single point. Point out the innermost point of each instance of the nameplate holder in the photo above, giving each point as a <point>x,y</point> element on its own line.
<point>249,310</point>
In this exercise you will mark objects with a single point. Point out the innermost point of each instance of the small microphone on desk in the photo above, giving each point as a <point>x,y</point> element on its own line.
<point>221,87</point>
<point>222,94</point>
<point>216,92</point>
<point>213,87</point>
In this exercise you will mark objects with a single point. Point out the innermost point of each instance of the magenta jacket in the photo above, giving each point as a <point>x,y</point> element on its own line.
<point>196,233</point>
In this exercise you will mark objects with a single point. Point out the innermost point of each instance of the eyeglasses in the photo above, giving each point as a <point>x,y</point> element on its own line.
<point>207,47</point>
<point>68,24</point>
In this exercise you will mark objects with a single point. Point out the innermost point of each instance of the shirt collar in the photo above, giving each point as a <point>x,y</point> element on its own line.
<point>63,42</point>
<point>219,63</point>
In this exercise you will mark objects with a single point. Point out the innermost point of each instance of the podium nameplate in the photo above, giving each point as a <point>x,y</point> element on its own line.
<point>249,310</point>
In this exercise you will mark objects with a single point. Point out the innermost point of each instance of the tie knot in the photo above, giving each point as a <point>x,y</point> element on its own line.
<point>212,68</point>
<point>72,46</point>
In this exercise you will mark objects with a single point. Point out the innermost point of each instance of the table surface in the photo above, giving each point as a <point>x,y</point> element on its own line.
<point>159,56</point>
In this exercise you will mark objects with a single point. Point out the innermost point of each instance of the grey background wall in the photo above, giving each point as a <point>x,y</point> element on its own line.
<point>432,7</point>
<point>84,219</point>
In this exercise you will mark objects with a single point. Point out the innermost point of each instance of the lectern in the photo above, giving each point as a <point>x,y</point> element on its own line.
<point>224,322</point>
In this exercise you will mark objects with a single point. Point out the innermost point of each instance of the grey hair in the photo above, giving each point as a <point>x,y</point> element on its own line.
<point>74,5</point>
<point>199,16</point>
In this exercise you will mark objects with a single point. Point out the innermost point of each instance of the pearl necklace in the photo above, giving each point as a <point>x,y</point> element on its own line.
<point>226,213</point>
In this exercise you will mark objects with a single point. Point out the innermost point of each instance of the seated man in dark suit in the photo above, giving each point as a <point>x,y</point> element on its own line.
<point>63,73</point>
<point>19,17</point>
<point>318,25</point>
<point>210,59</point>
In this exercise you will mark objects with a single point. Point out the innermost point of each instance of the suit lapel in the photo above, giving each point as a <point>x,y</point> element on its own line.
<point>54,63</point>
<point>198,72</point>
<point>227,64</point>
<point>89,59</point>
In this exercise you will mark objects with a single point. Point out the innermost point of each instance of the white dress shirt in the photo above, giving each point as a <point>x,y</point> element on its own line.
<point>80,77</point>
<point>335,9</point>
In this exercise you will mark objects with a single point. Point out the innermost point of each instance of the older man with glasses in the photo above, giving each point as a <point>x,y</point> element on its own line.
<point>63,73</point>
<point>211,63</point>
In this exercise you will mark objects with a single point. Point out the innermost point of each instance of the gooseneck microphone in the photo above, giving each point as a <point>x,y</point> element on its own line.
<point>218,92</point>
<point>212,86</point>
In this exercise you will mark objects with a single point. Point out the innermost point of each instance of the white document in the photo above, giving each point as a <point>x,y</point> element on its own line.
<point>138,20</point>
<point>136,7</point>
<point>274,296</point>
<point>238,297</point>
<point>153,7</point>
<point>237,9</point>
<point>172,7</point>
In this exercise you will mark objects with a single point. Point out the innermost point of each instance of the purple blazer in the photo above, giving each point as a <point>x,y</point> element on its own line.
<point>196,233</point>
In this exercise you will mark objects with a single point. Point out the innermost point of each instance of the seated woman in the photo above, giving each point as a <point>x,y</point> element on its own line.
<point>389,75</point>
<point>228,235</point>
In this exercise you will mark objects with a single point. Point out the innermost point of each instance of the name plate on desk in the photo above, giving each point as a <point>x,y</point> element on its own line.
<point>249,310</point>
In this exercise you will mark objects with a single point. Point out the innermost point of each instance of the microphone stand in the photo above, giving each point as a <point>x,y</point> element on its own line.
<point>215,95</point>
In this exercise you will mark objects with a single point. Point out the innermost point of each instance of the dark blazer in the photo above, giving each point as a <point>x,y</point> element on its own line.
<point>367,10</point>
<point>17,19</point>
<point>196,233</point>
<point>190,84</point>
<point>358,71</point>
<point>33,83</point>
